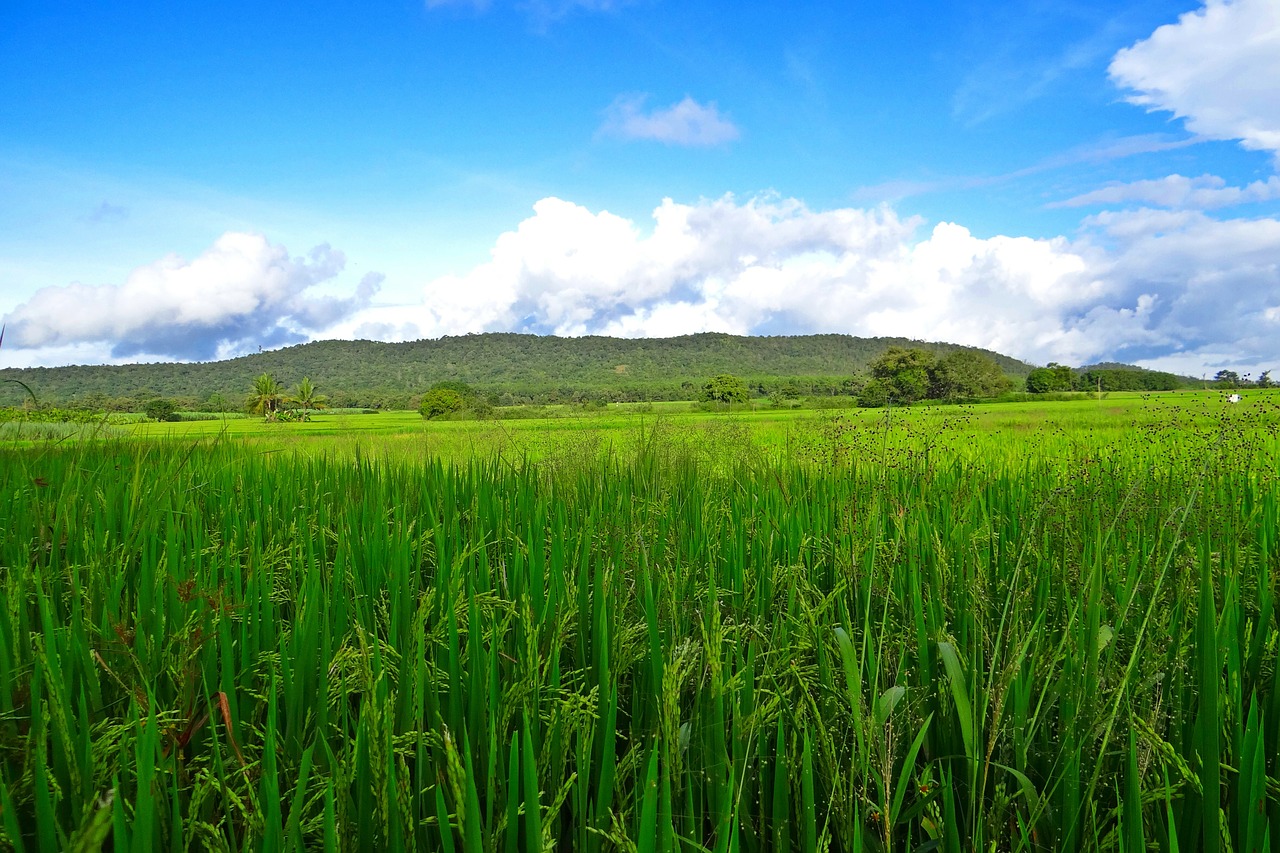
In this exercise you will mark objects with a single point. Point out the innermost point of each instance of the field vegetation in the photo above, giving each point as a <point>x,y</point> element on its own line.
<point>514,368</point>
<point>1031,626</point>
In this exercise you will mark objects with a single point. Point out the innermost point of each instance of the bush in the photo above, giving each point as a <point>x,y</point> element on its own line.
<point>874,395</point>
<point>725,388</point>
<point>161,409</point>
<point>51,415</point>
<point>439,402</point>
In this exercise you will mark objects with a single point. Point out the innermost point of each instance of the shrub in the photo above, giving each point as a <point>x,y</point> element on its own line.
<point>439,402</point>
<point>874,394</point>
<point>725,388</point>
<point>161,409</point>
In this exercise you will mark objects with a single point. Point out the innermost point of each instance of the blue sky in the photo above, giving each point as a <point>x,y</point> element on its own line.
<point>1058,180</point>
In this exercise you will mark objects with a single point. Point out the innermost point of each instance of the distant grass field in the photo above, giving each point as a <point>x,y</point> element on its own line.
<point>767,432</point>
<point>1038,626</point>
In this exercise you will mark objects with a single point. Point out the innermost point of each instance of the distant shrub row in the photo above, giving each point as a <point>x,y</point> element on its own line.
<point>11,414</point>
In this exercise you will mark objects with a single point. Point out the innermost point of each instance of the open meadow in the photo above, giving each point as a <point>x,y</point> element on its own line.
<point>1028,626</point>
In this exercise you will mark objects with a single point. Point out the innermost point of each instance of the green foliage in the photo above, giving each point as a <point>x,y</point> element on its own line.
<point>875,394</point>
<point>308,398</point>
<point>920,636</point>
<point>1128,379</point>
<point>725,388</point>
<point>441,402</point>
<point>906,374</point>
<point>267,397</point>
<point>161,409</point>
<point>1227,378</point>
<point>967,374</point>
<point>462,389</point>
<point>516,368</point>
<point>48,415</point>
<point>1047,380</point>
<point>210,416</point>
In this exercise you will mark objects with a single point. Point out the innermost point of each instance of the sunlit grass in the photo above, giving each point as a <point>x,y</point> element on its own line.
<point>1018,627</point>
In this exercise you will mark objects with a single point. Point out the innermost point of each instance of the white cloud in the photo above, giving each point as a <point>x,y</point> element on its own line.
<point>1218,282</point>
<point>686,122</point>
<point>1204,193</point>
<point>1161,287</point>
<point>1144,284</point>
<point>766,265</point>
<point>1216,67</point>
<point>242,292</point>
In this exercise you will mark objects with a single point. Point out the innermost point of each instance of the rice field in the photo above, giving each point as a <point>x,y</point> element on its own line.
<point>1004,628</point>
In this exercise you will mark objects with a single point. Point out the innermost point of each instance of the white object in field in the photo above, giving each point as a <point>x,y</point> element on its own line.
<point>1234,398</point>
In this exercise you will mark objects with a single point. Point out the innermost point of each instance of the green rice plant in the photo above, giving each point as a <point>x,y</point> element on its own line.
<point>890,634</point>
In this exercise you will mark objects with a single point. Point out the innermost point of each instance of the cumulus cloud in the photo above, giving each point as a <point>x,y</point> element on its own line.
<point>1141,285</point>
<point>1216,68</point>
<point>1215,284</point>
<point>1138,285</point>
<point>1170,288</point>
<point>686,122</point>
<point>1203,193</point>
<point>242,292</point>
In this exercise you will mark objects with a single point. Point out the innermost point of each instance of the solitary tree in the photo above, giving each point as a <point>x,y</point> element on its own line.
<point>308,398</point>
<point>161,409</point>
<point>1055,377</point>
<point>904,374</point>
<point>267,396</point>
<point>964,373</point>
<point>439,402</point>
<point>725,388</point>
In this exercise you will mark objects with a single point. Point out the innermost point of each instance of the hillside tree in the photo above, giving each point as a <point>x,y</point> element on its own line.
<point>725,388</point>
<point>1046,380</point>
<point>965,373</point>
<point>904,374</point>
<point>439,402</point>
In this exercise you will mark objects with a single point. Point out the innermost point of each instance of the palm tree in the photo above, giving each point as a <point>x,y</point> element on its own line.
<point>267,396</point>
<point>308,398</point>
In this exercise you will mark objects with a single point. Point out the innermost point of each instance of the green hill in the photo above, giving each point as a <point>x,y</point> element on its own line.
<point>513,367</point>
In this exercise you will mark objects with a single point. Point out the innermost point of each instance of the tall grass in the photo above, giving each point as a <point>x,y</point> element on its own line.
<point>884,641</point>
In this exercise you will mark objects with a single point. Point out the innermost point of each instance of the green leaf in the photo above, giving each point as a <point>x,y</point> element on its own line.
<point>959,695</point>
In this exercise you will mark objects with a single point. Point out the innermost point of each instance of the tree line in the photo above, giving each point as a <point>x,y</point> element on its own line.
<point>893,375</point>
<point>527,369</point>
<point>1056,378</point>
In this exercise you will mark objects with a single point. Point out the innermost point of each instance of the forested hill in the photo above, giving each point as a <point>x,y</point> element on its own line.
<point>511,365</point>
